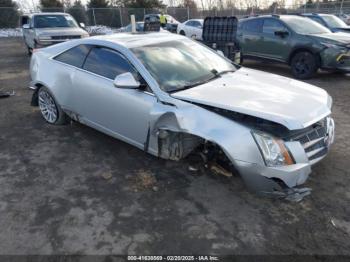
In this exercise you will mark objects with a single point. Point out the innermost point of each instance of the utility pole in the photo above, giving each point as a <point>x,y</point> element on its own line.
<point>341,6</point>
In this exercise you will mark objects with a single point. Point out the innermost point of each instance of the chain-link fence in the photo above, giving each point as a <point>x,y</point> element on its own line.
<point>119,17</point>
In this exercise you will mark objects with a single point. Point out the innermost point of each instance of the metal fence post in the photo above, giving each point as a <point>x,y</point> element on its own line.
<point>121,18</point>
<point>188,13</point>
<point>341,7</point>
<point>93,14</point>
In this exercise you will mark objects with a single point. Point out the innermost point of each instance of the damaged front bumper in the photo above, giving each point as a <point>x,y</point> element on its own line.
<point>283,181</point>
<point>280,182</point>
<point>336,59</point>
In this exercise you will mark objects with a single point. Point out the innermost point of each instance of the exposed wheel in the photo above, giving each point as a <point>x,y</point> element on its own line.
<point>304,65</point>
<point>182,32</point>
<point>50,110</point>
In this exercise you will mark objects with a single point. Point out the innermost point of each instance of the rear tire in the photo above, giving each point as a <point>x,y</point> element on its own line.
<point>304,65</point>
<point>50,109</point>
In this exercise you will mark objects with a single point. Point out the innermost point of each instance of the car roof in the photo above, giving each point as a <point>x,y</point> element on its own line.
<point>314,14</point>
<point>130,40</point>
<point>268,16</point>
<point>46,13</point>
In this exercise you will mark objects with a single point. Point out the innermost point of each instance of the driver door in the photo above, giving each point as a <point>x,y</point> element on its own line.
<point>120,112</point>
<point>275,46</point>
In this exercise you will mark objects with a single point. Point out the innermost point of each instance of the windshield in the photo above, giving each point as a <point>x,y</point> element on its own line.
<point>180,63</point>
<point>44,21</point>
<point>333,21</point>
<point>303,25</point>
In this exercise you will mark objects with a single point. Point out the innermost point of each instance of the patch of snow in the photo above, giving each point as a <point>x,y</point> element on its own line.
<point>100,30</point>
<point>11,32</point>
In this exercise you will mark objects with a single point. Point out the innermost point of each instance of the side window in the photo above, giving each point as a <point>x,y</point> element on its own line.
<point>74,56</point>
<point>253,25</point>
<point>107,63</point>
<point>196,24</point>
<point>317,19</point>
<point>189,23</point>
<point>271,26</point>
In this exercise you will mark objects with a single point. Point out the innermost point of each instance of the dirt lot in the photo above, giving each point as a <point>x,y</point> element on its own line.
<point>70,189</point>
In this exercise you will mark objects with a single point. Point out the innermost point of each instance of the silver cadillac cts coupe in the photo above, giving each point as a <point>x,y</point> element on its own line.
<point>171,96</point>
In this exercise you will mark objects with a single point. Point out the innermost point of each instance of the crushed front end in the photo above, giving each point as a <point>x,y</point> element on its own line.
<point>336,57</point>
<point>281,175</point>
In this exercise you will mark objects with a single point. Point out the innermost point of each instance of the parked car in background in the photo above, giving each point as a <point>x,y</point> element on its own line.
<point>172,96</point>
<point>332,22</point>
<point>139,27</point>
<point>171,25</point>
<point>345,18</point>
<point>297,41</point>
<point>44,29</point>
<point>192,28</point>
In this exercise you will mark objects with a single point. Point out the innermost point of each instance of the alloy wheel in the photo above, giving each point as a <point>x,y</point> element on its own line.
<point>48,106</point>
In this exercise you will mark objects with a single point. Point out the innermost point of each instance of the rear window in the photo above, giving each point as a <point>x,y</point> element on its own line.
<point>253,25</point>
<point>74,56</point>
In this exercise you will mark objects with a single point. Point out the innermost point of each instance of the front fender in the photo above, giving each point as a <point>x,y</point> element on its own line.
<point>234,138</point>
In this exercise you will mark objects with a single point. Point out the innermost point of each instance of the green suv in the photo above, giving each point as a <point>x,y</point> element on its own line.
<point>297,41</point>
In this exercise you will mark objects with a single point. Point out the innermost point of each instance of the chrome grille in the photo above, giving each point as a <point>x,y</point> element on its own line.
<point>65,37</point>
<point>314,141</point>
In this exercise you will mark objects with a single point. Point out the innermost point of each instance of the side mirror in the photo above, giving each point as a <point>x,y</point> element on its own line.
<point>126,80</point>
<point>82,25</point>
<point>26,26</point>
<point>281,33</point>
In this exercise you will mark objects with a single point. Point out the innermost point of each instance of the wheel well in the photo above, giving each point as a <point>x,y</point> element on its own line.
<point>175,145</point>
<point>303,49</point>
<point>179,145</point>
<point>34,101</point>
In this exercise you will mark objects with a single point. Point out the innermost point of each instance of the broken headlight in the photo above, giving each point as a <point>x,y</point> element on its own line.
<point>273,149</point>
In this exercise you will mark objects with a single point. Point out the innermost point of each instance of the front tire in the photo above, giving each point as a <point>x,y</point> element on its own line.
<point>304,65</point>
<point>50,109</point>
<point>182,32</point>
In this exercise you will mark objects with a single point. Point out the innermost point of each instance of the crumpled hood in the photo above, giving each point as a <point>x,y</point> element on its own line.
<point>60,31</point>
<point>286,101</point>
<point>338,37</point>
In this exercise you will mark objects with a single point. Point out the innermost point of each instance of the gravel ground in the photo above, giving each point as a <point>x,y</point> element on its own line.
<point>72,190</point>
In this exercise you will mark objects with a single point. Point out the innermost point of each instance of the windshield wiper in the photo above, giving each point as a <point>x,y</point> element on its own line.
<point>216,74</point>
<point>195,84</point>
<point>225,72</point>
